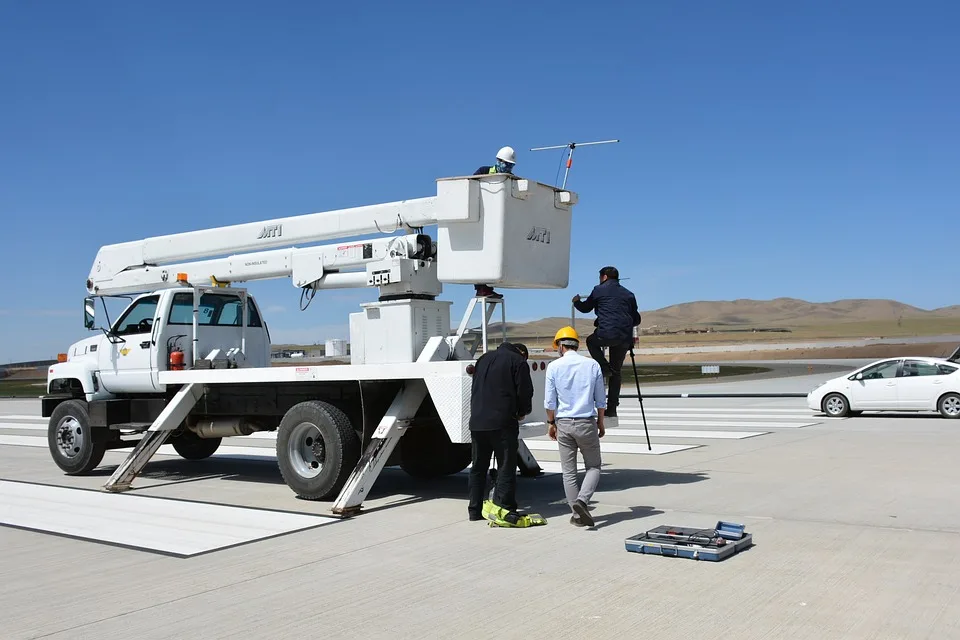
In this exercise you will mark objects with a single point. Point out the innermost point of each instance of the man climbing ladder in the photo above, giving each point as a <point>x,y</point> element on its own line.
<point>617,315</point>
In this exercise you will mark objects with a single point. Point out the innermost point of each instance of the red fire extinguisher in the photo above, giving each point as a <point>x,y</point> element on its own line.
<point>176,354</point>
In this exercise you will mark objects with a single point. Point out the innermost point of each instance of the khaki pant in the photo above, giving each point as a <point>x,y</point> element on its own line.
<point>573,435</point>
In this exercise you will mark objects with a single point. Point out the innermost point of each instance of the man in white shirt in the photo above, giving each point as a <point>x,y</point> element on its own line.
<point>575,400</point>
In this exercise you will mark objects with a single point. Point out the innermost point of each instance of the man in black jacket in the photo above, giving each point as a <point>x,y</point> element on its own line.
<point>617,315</point>
<point>501,394</point>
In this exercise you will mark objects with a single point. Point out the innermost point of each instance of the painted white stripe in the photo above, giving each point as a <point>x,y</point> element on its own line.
<point>21,418</point>
<point>22,427</point>
<point>23,441</point>
<point>727,409</point>
<point>615,447</point>
<point>267,453</point>
<point>169,526</point>
<point>13,426</point>
<point>697,435</point>
<point>721,416</point>
<point>713,423</point>
<point>548,467</point>
<point>263,453</point>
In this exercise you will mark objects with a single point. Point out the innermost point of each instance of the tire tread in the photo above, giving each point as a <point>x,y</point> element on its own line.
<point>347,447</point>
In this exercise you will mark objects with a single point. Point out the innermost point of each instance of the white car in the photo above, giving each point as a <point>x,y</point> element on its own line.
<point>893,384</point>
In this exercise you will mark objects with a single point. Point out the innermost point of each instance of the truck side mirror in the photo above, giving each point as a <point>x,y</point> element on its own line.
<point>89,314</point>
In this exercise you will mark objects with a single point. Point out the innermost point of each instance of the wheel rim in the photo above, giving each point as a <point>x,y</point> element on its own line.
<point>951,405</point>
<point>70,437</point>
<point>835,405</point>
<point>306,450</point>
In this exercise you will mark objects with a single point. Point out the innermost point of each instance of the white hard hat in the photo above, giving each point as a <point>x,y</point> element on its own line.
<point>507,155</point>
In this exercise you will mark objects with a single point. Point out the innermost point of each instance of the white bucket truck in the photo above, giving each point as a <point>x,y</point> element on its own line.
<point>188,361</point>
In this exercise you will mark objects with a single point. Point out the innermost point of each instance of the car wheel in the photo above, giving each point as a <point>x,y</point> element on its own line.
<point>835,405</point>
<point>949,405</point>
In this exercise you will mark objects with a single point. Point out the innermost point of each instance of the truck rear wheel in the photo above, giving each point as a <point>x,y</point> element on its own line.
<point>426,452</point>
<point>74,446</point>
<point>190,446</point>
<point>317,449</point>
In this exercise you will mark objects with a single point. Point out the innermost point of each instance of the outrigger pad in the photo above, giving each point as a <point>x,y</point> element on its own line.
<point>500,517</point>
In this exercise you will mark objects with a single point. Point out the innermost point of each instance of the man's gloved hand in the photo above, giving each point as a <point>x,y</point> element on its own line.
<point>576,298</point>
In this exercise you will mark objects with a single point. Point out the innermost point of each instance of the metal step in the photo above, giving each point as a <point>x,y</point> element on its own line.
<point>131,426</point>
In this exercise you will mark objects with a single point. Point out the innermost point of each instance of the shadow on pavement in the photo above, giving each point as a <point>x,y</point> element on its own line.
<point>542,494</point>
<point>634,513</point>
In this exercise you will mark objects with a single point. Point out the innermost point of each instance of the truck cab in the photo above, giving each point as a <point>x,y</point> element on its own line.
<point>128,356</point>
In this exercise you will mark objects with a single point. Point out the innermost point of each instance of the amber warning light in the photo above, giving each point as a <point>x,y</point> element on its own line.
<point>61,357</point>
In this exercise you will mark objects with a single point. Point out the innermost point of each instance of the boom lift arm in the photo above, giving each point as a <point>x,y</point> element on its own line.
<point>321,267</point>
<point>475,233</point>
<point>135,266</point>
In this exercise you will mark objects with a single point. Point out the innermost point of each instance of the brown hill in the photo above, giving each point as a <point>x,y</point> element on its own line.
<point>745,314</point>
<point>788,312</point>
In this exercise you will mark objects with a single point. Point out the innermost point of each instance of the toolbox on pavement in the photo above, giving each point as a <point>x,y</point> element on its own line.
<point>721,542</point>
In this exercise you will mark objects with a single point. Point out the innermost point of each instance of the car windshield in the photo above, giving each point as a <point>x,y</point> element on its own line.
<point>956,356</point>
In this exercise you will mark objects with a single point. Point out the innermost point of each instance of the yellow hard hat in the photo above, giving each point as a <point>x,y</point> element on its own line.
<point>567,333</point>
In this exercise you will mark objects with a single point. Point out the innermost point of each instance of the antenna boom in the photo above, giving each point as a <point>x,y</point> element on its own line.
<point>571,146</point>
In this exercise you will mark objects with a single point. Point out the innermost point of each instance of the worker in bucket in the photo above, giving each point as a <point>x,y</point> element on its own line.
<point>617,315</point>
<point>501,394</point>
<point>506,160</point>
<point>575,402</point>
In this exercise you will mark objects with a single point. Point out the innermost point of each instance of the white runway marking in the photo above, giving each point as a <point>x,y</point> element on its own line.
<point>740,410</point>
<point>669,433</point>
<point>23,441</point>
<point>698,425</point>
<point>615,447</point>
<point>714,423</point>
<point>14,426</point>
<point>225,451</point>
<point>173,527</point>
<point>661,415</point>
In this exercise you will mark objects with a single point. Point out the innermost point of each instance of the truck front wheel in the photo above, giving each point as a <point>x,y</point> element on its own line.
<point>317,449</point>
<point>75,447</point>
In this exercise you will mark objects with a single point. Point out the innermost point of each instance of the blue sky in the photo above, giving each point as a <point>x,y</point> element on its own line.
<point>767,150</point>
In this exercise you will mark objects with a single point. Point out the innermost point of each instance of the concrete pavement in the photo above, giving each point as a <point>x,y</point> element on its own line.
<point>854,533</point>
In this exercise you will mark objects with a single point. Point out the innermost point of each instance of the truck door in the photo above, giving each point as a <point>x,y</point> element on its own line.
<point>126,361</point>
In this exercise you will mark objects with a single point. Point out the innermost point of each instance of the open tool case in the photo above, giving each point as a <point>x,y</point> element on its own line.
<point>726,539</point>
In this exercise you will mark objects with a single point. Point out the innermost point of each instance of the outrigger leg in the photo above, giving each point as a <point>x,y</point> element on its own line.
<point>169,419</point>
<point>391,428</point>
